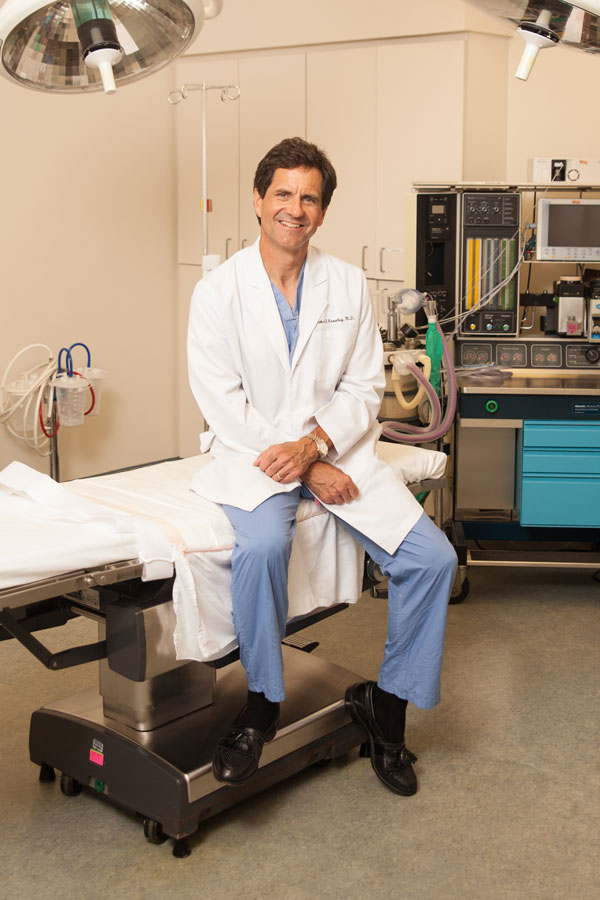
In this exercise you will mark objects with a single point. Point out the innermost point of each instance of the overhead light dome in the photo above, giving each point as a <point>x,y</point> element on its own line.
<point>88,45</point>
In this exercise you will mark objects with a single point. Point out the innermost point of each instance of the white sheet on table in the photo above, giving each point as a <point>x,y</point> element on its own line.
<point>325,565</point>
<point>35,548</point>
<point>46,530</point>
<point>41,541</point>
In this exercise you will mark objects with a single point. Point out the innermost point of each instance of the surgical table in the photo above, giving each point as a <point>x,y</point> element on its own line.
<point>149,561</point>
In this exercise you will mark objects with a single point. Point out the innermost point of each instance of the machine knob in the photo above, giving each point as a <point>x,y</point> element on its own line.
<point>592,354</point>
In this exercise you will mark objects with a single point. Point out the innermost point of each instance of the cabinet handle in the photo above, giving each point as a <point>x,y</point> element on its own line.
<point>227,240</point>
<point>362,258</point>
<point>244,242</point>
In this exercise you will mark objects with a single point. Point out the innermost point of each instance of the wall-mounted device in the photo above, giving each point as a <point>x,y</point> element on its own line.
<point>568,230</point>
<point>490,253</point>
<point>548,170</point>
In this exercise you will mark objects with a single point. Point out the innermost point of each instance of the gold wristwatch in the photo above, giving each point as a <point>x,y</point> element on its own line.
<point>321,445</point>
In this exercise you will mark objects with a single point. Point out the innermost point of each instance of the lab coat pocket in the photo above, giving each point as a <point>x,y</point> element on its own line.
<point>330,368</point>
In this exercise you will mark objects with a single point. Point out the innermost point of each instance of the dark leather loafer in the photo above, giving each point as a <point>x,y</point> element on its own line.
<point>392,763</point>
<point>238,753</point>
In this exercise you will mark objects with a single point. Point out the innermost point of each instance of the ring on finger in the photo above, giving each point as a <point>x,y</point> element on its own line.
<point>277,476</point>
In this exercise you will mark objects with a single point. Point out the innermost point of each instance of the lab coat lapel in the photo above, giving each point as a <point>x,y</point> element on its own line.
<point>257,292</point>
<point>314,300</point>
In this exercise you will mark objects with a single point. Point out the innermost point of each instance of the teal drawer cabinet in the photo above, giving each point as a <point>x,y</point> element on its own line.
<point>558,481</point>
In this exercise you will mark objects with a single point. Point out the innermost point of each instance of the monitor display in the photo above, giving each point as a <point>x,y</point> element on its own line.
<point>574,226</point>
<point>568,230</point>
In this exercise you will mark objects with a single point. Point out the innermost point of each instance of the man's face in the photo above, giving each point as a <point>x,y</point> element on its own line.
<point>291,210</point>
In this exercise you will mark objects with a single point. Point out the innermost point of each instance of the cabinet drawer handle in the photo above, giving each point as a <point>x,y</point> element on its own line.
<point>227,242</point>
<point>244,242</point>
<point>362,258</point>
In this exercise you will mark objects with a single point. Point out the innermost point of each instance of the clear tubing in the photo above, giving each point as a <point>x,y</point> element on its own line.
<point>412,404</point>
<point>36,378</point>
<point>433,402</point>
<point>398,432</point>
<point>47,369</point>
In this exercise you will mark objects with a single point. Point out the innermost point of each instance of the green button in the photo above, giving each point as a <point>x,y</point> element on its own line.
<point>492,406</point>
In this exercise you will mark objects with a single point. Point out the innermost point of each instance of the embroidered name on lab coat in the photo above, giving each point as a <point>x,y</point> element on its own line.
<point>336,321</point>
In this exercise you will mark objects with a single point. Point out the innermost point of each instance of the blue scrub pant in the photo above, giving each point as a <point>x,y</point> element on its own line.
<point>420,577</point>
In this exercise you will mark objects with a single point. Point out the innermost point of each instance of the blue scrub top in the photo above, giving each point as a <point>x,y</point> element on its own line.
<point>290,316</point>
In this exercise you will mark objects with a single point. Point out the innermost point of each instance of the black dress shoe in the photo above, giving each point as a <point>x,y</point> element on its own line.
<point>392,763</point>
<point>238,753</point>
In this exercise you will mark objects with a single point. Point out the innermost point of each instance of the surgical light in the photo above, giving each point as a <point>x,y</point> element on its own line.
<point>546,23</point>
<point>537,36</point>
<point>74,46</point>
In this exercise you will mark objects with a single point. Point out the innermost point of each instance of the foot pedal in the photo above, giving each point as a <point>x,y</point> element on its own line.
<point>300,643</point>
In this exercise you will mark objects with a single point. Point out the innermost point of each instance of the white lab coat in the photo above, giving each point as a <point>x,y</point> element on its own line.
<point>251,397</point>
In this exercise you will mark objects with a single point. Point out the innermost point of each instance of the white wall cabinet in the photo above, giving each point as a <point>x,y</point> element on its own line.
<point>341,118</point>
<point>387,116</point>
<point>420,88</point>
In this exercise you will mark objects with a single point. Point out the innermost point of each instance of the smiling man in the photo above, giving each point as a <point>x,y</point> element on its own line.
<point>286,364</point>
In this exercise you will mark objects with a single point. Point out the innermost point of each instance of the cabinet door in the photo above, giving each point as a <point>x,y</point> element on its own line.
<point>341,118</point>
<point>420,86</point>
<point>222,133</point>
<point>272,107</point>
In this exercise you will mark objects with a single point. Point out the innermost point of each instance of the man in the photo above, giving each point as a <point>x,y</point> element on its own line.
<point>286,364</point>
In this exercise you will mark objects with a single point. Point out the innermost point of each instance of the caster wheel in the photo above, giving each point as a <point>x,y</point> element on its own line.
<point>47,774</point>
<point>462,593</point>
<point>153,832</point>
<point>69,786</point>
<point>181,848</point>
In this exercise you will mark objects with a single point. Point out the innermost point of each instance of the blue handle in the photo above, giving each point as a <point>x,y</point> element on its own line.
<point>69,365</point>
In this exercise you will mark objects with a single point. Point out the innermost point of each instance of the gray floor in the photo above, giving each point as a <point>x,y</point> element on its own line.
<point>508,768</point>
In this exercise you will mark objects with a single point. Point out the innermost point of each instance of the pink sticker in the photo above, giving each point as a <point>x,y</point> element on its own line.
<point>96,757</point>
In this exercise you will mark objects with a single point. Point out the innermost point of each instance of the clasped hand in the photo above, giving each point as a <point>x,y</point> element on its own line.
<point>294,460</point>
<point>286,462</point>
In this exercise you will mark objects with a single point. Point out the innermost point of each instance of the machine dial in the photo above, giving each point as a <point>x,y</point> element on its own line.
<point>592,354</point>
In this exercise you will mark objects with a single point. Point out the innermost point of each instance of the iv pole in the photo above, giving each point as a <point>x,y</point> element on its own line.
<point>228,92</point>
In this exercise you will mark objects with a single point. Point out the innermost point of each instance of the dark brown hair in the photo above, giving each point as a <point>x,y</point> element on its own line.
<point>294,153</point>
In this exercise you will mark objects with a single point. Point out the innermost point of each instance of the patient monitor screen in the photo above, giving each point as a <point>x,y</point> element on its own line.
<point>573,226</point>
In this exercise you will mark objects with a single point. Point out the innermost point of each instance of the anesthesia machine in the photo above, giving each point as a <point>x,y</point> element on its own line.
<point>515,272</point>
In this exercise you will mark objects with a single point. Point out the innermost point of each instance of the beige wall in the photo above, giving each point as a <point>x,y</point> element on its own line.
<point>553,113</point>
<point>87,237</point>
<point>88,226</point>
